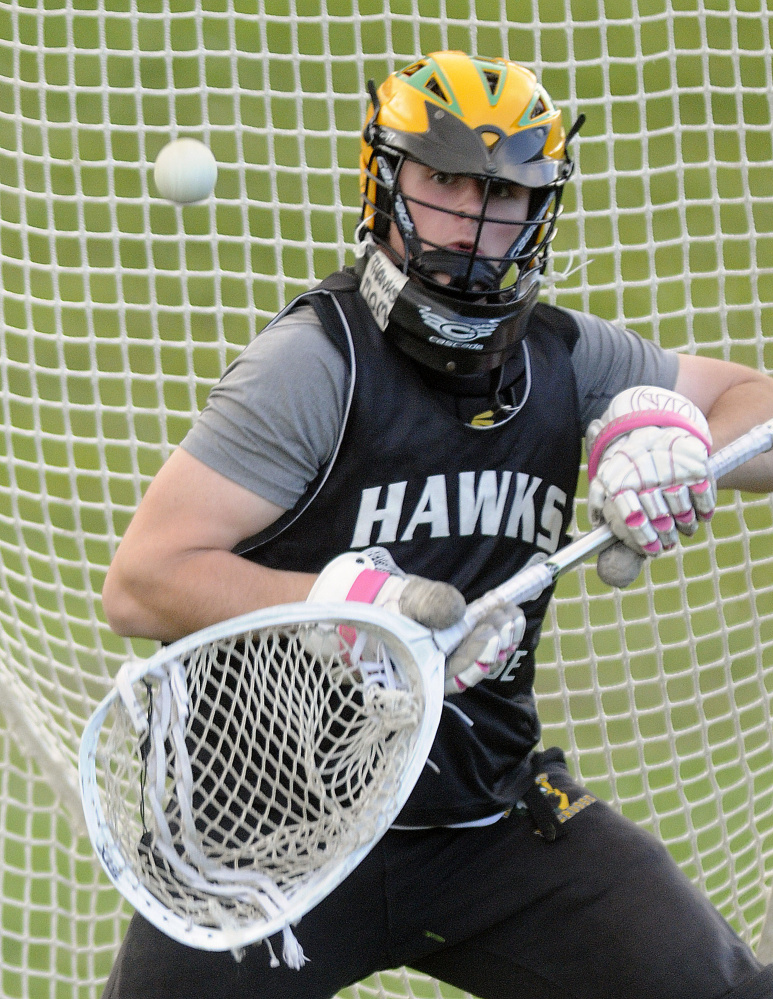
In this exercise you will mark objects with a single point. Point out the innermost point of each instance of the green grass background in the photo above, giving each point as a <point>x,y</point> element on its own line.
<point>118,311</point>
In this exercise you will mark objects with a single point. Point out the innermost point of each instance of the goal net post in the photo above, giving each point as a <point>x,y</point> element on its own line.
<point>118,312</point>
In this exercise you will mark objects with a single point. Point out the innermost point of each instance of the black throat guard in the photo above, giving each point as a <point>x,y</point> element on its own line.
<point>439,331</point>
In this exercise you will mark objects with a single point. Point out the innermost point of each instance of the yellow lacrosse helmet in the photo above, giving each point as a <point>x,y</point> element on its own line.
<point>485,118</point>
<point>504,123</point>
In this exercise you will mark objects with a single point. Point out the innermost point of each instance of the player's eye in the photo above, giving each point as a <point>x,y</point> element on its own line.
<point>500,190</point>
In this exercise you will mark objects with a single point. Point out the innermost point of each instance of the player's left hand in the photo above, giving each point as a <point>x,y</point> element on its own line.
<point>648,465</point>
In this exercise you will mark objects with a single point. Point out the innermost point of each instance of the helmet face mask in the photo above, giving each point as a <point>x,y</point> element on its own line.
<point>485,123</point>
<point>471,268</point>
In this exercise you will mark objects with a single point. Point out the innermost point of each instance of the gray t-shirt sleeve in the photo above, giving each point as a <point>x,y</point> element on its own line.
<point>275,416</point>
<point>608,359</point>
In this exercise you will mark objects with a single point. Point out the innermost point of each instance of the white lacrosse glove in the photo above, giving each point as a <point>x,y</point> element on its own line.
<point>372,577</point>
<point>491,643</point>
<point>648,468</point>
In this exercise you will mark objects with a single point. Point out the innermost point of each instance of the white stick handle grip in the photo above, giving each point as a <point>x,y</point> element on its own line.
<point>529,583</point>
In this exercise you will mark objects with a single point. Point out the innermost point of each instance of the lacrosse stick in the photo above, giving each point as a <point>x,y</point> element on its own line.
<point>234,779</point>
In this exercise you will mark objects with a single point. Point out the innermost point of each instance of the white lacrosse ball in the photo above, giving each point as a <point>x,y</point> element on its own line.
<point>185,171</point>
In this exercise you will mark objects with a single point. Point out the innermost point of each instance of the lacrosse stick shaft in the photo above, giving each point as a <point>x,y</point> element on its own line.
<point>529,583</point>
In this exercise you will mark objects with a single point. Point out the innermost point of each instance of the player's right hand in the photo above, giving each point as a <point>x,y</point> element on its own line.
<point>371,576</point>
<point>489,644</point>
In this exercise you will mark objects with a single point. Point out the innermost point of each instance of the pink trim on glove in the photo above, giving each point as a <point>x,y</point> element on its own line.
<point>633,421</point>
<point>367,585</point>
<point>349,637</point>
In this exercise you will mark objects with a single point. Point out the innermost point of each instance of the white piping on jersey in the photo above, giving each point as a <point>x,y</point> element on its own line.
<point>512,411</point>
<point>465,718</point>
<point>473,824</point>
<point>347,407</point>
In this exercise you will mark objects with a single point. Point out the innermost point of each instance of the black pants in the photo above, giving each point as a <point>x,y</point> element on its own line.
<point>601,912</point>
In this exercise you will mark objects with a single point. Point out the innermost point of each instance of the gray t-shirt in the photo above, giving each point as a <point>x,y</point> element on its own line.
<point>276,415</point>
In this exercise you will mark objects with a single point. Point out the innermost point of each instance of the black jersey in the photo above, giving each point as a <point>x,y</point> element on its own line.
<point>470,505</point>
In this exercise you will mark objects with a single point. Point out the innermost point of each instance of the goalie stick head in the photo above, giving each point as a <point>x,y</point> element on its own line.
<point>463,311</point>
<point>232,780</point>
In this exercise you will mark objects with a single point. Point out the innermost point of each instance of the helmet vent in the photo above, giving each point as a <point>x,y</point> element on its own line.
<point>492,78</point>
<point>539,108</point>
<point>434,87</point>
<point>410,70</point>
<point>490,138</point>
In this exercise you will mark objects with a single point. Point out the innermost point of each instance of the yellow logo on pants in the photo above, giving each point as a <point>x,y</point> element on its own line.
<point>552,792</point>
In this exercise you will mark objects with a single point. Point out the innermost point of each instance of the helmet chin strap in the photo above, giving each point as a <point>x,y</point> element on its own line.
<point>500,397</point>
<point>495,390</point>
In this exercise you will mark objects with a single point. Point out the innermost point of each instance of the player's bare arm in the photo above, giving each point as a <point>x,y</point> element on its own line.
<point>174,571</point>
<point>733,398</point>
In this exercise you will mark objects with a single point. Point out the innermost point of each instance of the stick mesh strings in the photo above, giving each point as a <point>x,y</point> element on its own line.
<point>269,758</point>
